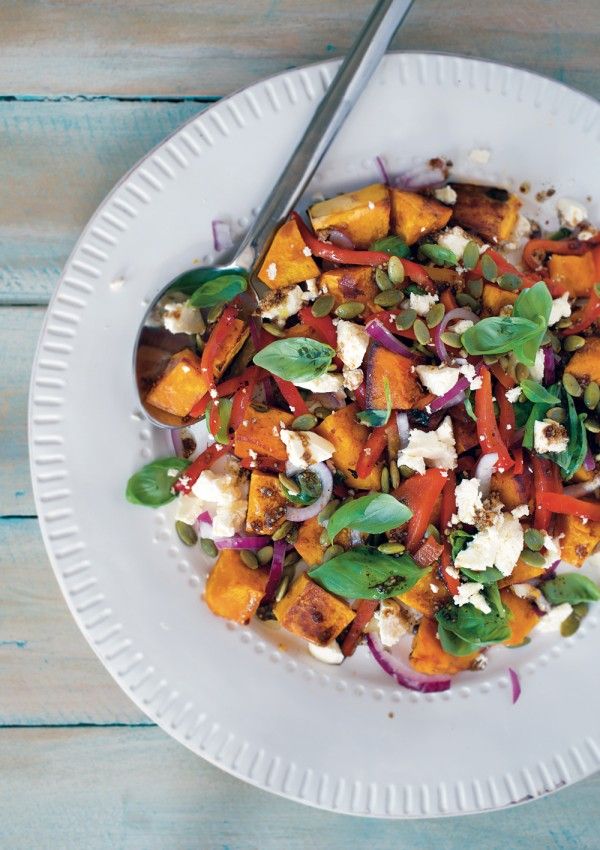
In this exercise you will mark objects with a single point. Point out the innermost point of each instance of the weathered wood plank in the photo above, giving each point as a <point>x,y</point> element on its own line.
<point>185,47</point>
<point>136,789</point>
<point>48,673</point>
<point>58,161</point>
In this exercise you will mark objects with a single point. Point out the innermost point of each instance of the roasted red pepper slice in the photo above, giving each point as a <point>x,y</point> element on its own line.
<point>364,611</point>
<point>544,481</point>
<point>487,428</point>
<point>224,389</point>
<point>188,477</point>
<point>323,325</point>
<point>558,503</point>
<point>506,418</point>
<point>507,381</point>
<point>215,342</point>
<point>448,300</point>
<point>448,507</point>
<point>243,397</point>
<point>590,313</point>
<point>374,447</point>
<point>294,400</point>
<point>451,582</point>
<point>420,493</point>
<point>536,247</point>
<point>428,552</point>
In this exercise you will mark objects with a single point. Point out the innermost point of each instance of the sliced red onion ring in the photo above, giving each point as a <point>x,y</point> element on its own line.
<point>549,365</point>
<point>589,463</point>
<point>221,232</point>
<point>403,428</point>
<point>515,684</point>
<point>386,339</point>
<point>383,170</point>
<point>584,488</point>
<point>450,398</point>
<point>340,239</point>
<point>332,401</point>
<point>241,542</point>
<point>451,316</point>
<point>204,517</point>
<point>399,670</point>
<point>276,571</point>
<point>483,472</point>
<point>254,325</point>
<point>300,514</point>
<point>458,399</point>
<point>176,440</point>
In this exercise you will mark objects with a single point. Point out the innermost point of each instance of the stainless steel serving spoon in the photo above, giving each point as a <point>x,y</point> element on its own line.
<point>153,347</point>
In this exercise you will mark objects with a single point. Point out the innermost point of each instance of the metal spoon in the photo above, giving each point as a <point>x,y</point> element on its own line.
<point>154,346</point>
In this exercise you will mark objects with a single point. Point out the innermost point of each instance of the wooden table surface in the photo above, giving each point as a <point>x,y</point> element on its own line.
<point>86,88</point>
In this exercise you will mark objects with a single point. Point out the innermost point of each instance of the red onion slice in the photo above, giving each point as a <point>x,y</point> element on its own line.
<point>483,472</point>
<point>340,239</point>
<point>176,440</point>
<point>221,233</point>
<point>451,316</point>
<point>276,571</point>
<point>549,365</point>
<point>386,339</point>
<point>300,514</point>
<point>204,517</point>
<point>250,542</point>
<point>254,325</point>
<point>589,463</point>
<point>450,398</point>
<point>515,684</point>
<point>380,165</point>
<point>584,488</point>
<point>400,671</point>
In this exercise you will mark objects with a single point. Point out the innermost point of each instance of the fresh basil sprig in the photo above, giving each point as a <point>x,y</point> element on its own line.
<point>458,540</point>
<point>570,587</point>
<point>573,456</point>
<point>377,418</point>
<point>366,573</point>
<point>218,290</point>
<point>474,629</point>
<point>295,359</point>
<point>151,485</point>
<point>393,245</point>
<point>373,514</point>
<point>535,392</point>
<point>438,254</point>
<point>224,413</point>
<point>489,576</point>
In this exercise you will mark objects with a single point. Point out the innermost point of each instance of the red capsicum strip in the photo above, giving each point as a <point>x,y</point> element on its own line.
<point>536,248</point>
<point>487,428</point>
<point>374,447</point>
<point>451,582</point>
<point>506,418</point>
<point>323,325</point>
<point>501,376</point>
<point>518,456</point>
<point>420,493</point>
<point>544,481</point>
<point>224,389</point>
<point>558,503</point>
<point>294,400</point>
<point>215,342</point>
<point>448,506</point>
<point>188,477</point>
<point>585,317</point>
<point>243,397</point>
<point>364,611</point>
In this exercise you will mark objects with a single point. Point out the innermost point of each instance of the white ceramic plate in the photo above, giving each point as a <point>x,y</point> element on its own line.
<point>252,700</point>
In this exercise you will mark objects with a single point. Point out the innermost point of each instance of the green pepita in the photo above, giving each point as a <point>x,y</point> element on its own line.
<point>405,319</point>
<point>490,359</point>
<point>394,474</point>
<point>591,396</point>
<point>392,548</point>
<point>283,529</point>
<point>509,282</point>
<point>421,332</point>
<point>389,298</point>
<point>463,299</point>
<point>554,342</point>
<point>291,559</point>
<point>305,422</point>
<point>382,280</point>
<point>327,511</point>
<point>213,314</point>
<point>571,384</point>
<point>572,343</point>
<point>533,559</point>
<point>557,414</point>
<point>349,310</point>
<point>475,287</point>
<point>321,412</point>
<point>592,425</point>
<point>431,531</point>
<point>289,485</point>
<point>451,339</point>
<point>406,471</point>
<point>470,256</point>
<point>324,538</point>
<point>435,315</point>
<point>489,267</point>
<point>521,372</point>
<point>249,559</point>
<point>569,626</point>
<point>272,329</point>
<point>332,552</point>
<point>264,555</point>
<point>199,344</point>
<point>385,480</point>
<point>292,534</point>
<point>322,306</point>
<point>208,547</point>
<point>282,589</point>
<point>395,270</point>
<point>564,323</point>
<point>534,539</point>
<point>186,533</point>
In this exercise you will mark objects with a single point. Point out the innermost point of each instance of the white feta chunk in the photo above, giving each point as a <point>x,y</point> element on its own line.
<point>305,448</point>
<point>520,511</point>
<point>552,621</point>
<point>312,290</point>
<point>446,195</point>
<point>522,228</point>
<point>431,448</point>
<point>437,379</point>
<point>188,508</point>
<point>352,343</point>
<point>353,378</point>
<point>470,373</point>
<point>513,394</point>
<point>454,239</point>
<point>422,304</point>
<point>392,624</point>
<point>468,500</point>
<point>570,212</point>
<point>224,495</point>
<point>549,436</point>
<point>469,593</point>
<point>524,590</point>
<point>180,318</point>
<point>328,382</point>
<point>280,304</point>
<point>499,545</point>
<point>462,326</point>
<point>329,654</point>
<point>561,309</point>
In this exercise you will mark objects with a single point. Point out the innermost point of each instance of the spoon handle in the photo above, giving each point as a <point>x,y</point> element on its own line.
<point>345,89</point>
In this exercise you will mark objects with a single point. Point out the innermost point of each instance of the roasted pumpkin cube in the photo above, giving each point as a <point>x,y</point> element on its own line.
<point>303,330</point>
<point>405,389</point>
<point>465,429</point>
<point>582,474</point>
<point>237,334</point>
<point>180,386</point>
<point>313,613</point>
<point>524,617</point>
<point>288,259</point>
<point>514,490</point>
<point>427,655</point>
<point>580,539</point>
<point>258,434</point>
<point>576,274</point>
<point>233,590</point>
<point>490,212</point>
<point>585,362</point>
<point>349,437</point>
<point>494,299</point>
<point>422,596</point>
<point>356,283</point>
<point>266,504</point>
<point>449,277</point>
<point>415,216</point>
<point>363,216</point>
<point>308,542</point>
<point>522,573</point>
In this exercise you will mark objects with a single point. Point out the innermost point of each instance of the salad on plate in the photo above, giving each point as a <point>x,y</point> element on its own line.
<point>402,432</point>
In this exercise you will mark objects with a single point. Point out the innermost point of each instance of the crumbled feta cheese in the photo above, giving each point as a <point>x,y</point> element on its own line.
<point>224,495</point>
<point>353,378</point>
<point>570,213</point>
<point>305,448</point>
<point>329,654</point>
<point>513,394</point>
<point>499,545</point>
<point>391,623</point>
<point>522,228</point>
<point>534,594</point>
<point>452,572</point>
<point>520,511</point>
<point>306,251</point>
<point>455,239</point>
<point>328,382</point>
<point>312,290</point>
<point>536,372</point>
<point>180,318</point>
<point>227,523</point>
<point>469,593</point>
<point>272,271</point>
<point>549,436</point>
<point>433,588</point>
<point>552,547</point>
<point>587,234</point>
<point>468,500</point>
<point>422,304</point>
<point>352,343</point>
<point>189,508</point>
<point>481,156</point>
<point>551,622</point>
<point>437,379</point>
<point>462,326</point>
<point>281,304</point>
<point>561,309</point>
<point>436,448</point>
<point>470,373</point>
<point>446,195</point>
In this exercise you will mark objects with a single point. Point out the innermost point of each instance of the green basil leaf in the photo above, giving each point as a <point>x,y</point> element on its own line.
<point>522,410</point>
<point>219,290</point>
<point>537,413</point>
<point>392,245</point>
<point>570,587</point>
<point>498,334</point>
<point>224,409</point>
<point>188,282</point>
<point>536,392</point>
<point>488,576</point>
<point>472,626</point>
<point>454,645</point>
<point>534,303</point>
<point>526,350</point>
<point>151,485</point>
<point>561,233</point>
<point>295,359</point>
<point>374,514</point>
<point>573,456</point>
<point>438,254</point>
<point>458,540</point>
<point>366,573</point>
<point>492,594</point>
<point>468,402</point>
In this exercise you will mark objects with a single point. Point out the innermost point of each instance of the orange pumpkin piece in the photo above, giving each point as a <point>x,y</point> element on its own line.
<point>349,437</point>
<point>363,216</point>
<point>585,362</point>
<point>479,208</point>
<point>233,590</point>
<point>405,389</point>
<point>494,299</point>
<point>524,617</point>
<point>303,330</point>
<point>288,259</point>
<point>313,613</point>
<point>423,598</point>
<point>513,491</point>
<point>521,573</point>
<point>356,283</point>
<point>576,274</point>
<point>258,433</point>
<point>580,539</point>
<point>427,655</point>
<point>180,386</point>
<point>415,216</point>
<point>308,542</point>
<point>266,504</point>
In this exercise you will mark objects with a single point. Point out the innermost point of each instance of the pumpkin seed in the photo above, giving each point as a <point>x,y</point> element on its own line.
<point>272,329</point>
<point>554,342</point>
<point>292,534</point>
<point>451,339</point>
<point>470,256</point>
<point>394,474</point>
<point>282,589</point>
<point>327,511</point>
<point>199,344</point>
<point>406,471</point>
<point>572,343</point>
<point>349,310</point>
<point>249,559</point>
<point>186,533</point>
<point>564,323</point>
<point>569,626</point>
<point>264,555</point>
<point>489,267</point>
<point>208,547</point>
<point>392,548</point>
<point>592,425</point>
<point>435,315</point>
<point>389,298</point>
<point>534,539</point>
<point>289,485</point>
<point>475,287</point>
<point>304,422</point>
<point>322,306</point>
<point>395,270</point>
<point>591,396</point>
<point>521,372</point>
<point>283,529</point>
<point>463,299</point>
<point>421,332</point>
<point>557,414</point>
<point>572,385</point>
<point>385,480</point>
<point>213,314</point>
<point>291,559</point>
<point>324,538</point>
<point>533,559</point>
<point>259,406</point>
<point>405,319</point>
<point>509,282</point>
<point>321,412</point>
<point>332,552</point>
<point>382,280</point>
<point>431,531</point>
<point>490,359</point>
